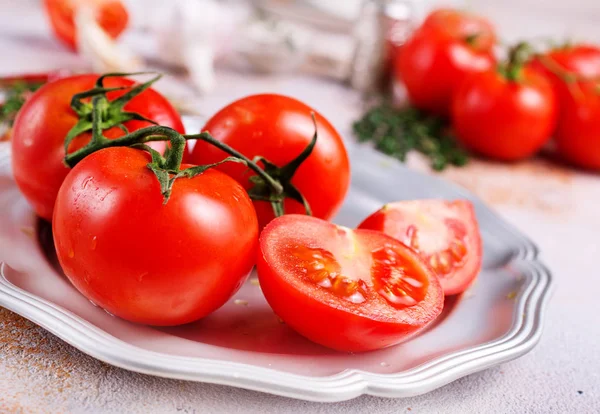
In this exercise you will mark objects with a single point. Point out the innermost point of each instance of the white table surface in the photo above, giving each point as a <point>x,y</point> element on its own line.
<point>557,207</point>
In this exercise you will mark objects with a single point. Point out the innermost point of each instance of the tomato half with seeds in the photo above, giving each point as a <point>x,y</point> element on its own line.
<point>146,261</point>
<point>444,233</point>
<point>350,290</point>
<point>46,118</point>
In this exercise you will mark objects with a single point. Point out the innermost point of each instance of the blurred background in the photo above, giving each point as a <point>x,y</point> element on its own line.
<point>339,56</point>
<point>201,42</point>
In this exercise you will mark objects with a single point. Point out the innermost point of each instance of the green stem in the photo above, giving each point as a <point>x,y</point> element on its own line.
<point>159,133</point>
<point>136,137</point>
<point>517,57</point>
<point>206,137</point>
<point>97,137</point>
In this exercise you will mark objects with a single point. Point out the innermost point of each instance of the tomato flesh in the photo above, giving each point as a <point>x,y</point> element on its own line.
<point>444,233</point>
<point>350,290</point>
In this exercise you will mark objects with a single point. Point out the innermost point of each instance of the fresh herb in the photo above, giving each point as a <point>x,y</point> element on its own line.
<point>14,97</point>
<point>396,132</point>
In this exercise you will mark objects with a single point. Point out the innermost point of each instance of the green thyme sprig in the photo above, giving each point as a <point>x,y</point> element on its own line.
<point>15,97</point>
<point>396,132</point>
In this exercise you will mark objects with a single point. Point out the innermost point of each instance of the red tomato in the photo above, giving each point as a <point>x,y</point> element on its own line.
<point>279,128</point>
<point>350,290</point>
<point>148,262</point>
<point>45,119</point>
<point>111,16</point>
<point>571,60</point>
<point>444,233</point>
<point>437,57</point>
<point>504,119</point>
<point>462,24</point>
<point>578,132</point>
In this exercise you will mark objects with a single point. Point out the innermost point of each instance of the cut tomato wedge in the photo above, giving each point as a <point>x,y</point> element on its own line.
<point>444,233</point>
<point>350,290</point>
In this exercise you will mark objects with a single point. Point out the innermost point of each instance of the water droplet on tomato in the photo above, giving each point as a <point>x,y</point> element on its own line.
<point>85,182</point>
<point>71,253</point>
<point>94,243</point>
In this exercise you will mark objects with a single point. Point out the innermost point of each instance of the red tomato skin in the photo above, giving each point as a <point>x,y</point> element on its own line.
<point>279,128</point>
<point>581,60</point>
<point>111,16</point>
<point>462,24</point>
<point>144,261</point>
<point>336,326</point>
<point>578,132</point>
<point>437,57</point>
<point>384,221</point>
<point>45,119</point>
<point>502,119</point>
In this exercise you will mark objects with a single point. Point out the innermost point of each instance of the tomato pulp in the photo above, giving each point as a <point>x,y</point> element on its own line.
<point>444,233</point>
<point>46,118</point>
<point>350,290</point>
<point>279,128</point>
<point>145,261</point>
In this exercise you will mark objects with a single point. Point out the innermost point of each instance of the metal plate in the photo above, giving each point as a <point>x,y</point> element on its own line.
<point>498,319</point>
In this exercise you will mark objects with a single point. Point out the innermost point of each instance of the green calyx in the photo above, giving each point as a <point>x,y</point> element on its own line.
<point>263,192</point>
<point>518,56</point>
<point>112,113</point>
<point>271,183</point>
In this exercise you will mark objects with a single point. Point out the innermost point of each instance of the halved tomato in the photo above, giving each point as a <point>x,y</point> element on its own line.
<point>444,233</point>
<point>350,290</point>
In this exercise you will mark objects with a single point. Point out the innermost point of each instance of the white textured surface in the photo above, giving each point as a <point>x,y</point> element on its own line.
<point>556,207</point>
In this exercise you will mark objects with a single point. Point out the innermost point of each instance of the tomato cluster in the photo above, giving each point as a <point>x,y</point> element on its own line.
<point>159,236</point>
<point>504,110</point>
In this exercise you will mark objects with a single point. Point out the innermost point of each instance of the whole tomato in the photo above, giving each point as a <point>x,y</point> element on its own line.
<point>279,128</point>
<point>46,118</point>
<point>561,65</point>
<point>578,132</point>
<point>144,260</point>
<point>503,118</point>
<point>437,57</point>
<point>110,15</point>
